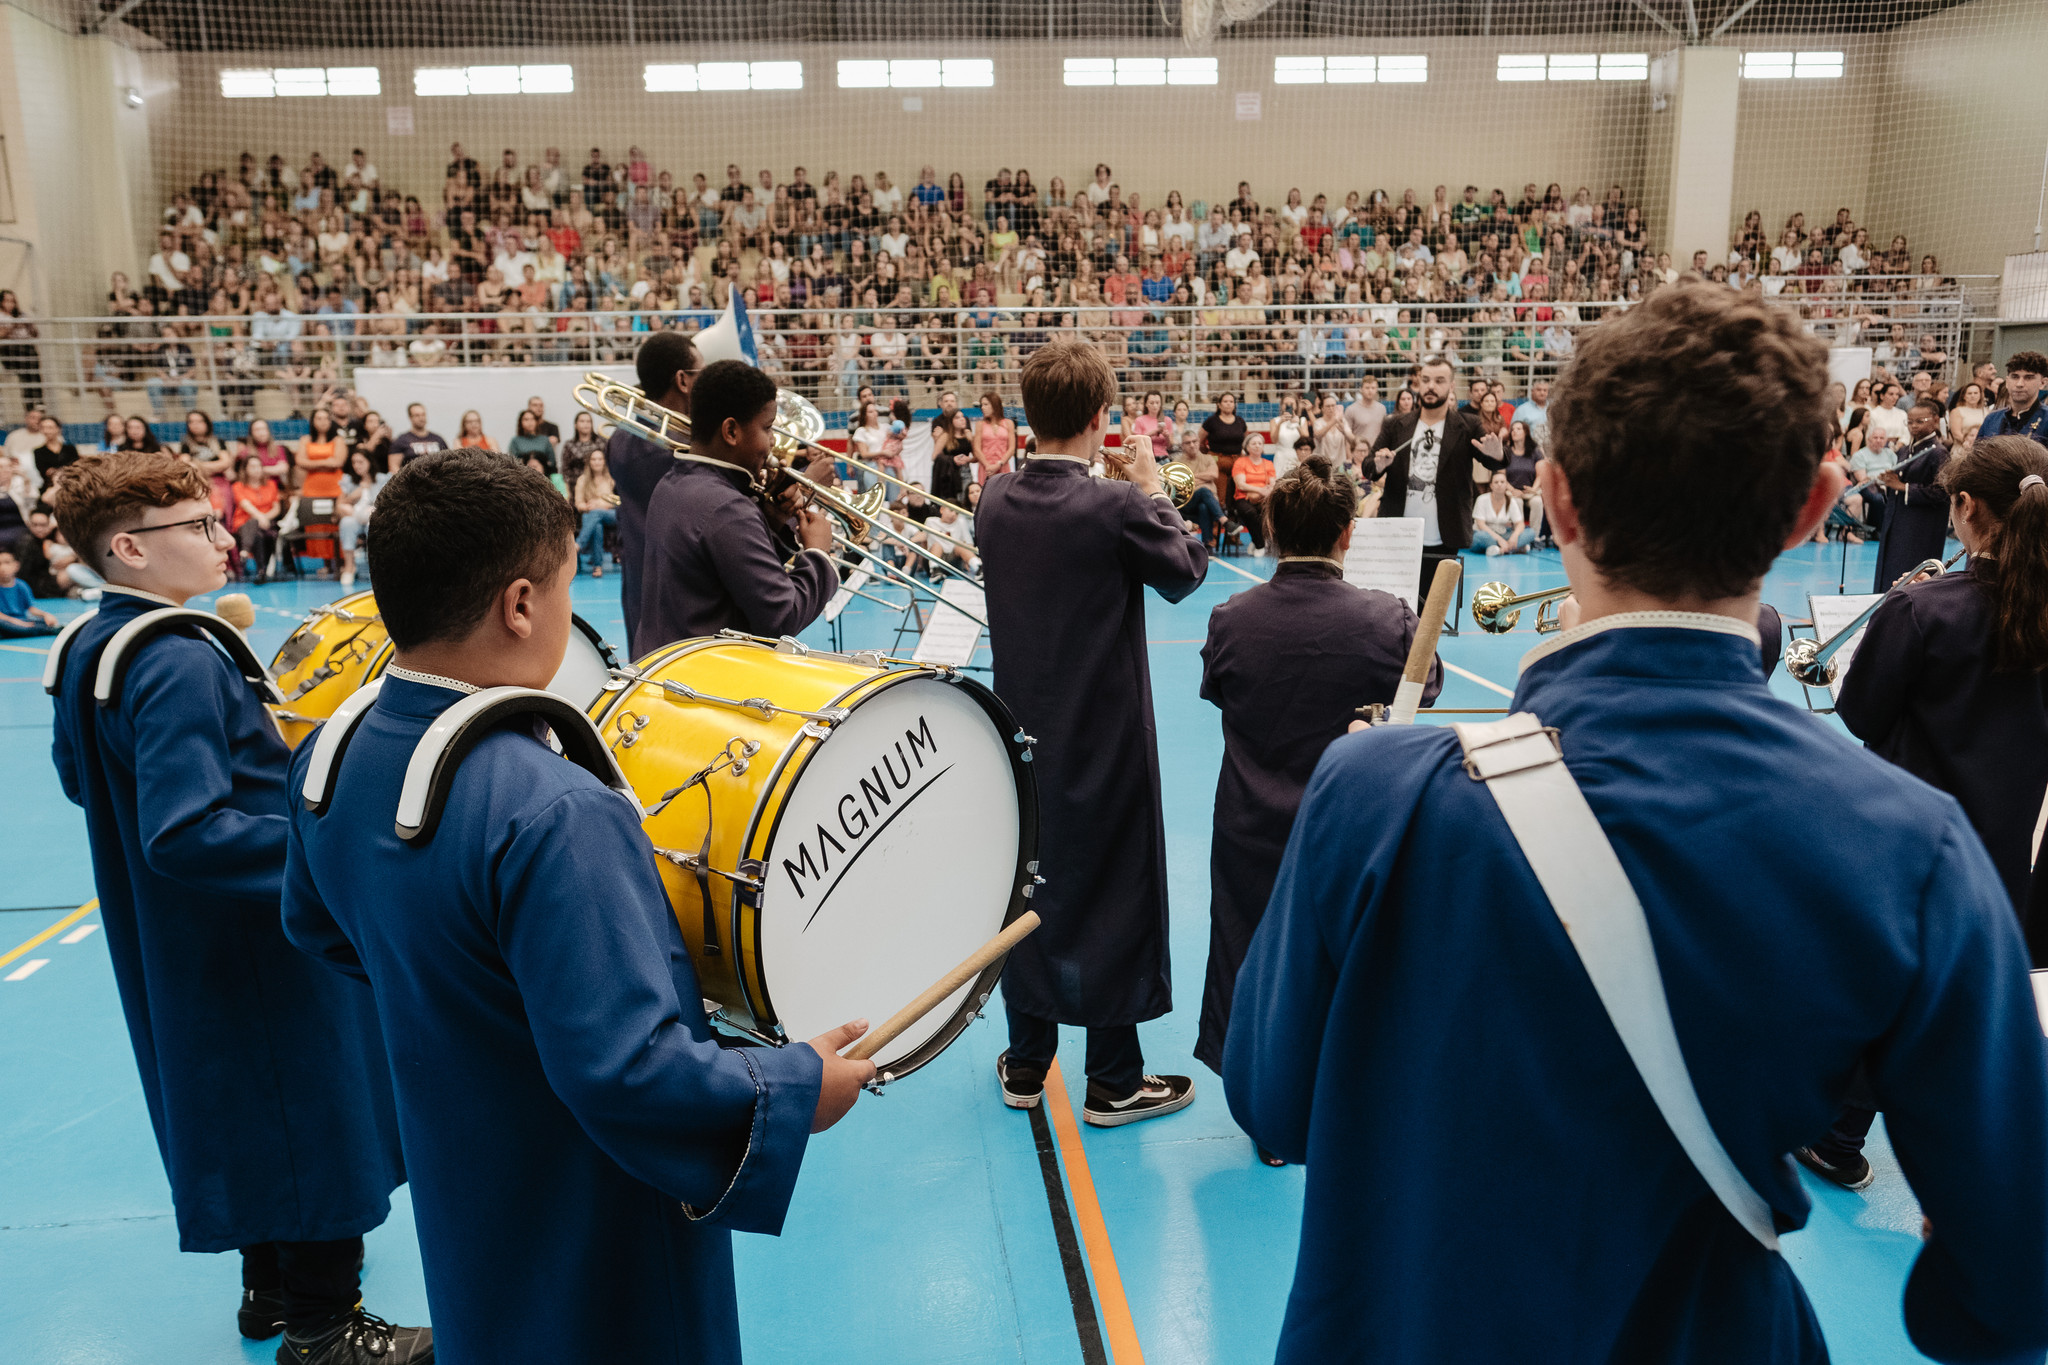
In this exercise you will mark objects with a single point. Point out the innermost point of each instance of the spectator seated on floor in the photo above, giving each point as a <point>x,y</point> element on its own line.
<point>19,614</point>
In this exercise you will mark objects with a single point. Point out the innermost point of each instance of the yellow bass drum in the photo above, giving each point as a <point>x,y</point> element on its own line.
<point>835,831</point>
<point>341,646</point>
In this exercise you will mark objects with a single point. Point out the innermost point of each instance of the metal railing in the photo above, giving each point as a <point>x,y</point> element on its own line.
<point>274,366</point>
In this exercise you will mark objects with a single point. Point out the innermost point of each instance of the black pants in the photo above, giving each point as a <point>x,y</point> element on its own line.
<point>1116,1062</point>
<point>1432,555</point>
<point>320,1281</point>
<point>1852,1125</point>
<point>1252,516</point>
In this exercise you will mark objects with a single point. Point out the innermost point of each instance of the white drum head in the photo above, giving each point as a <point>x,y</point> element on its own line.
<point>584,670</point>
<point>893,860</point>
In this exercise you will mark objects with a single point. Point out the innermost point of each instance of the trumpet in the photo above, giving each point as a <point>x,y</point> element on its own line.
<point>856,519</point>
<point>1496,607</point>
<point>1812,662</point>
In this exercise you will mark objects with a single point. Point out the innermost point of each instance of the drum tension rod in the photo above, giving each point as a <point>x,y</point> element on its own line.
<point>694,863</point>
<point>761,705</point>
<point>736,754</point>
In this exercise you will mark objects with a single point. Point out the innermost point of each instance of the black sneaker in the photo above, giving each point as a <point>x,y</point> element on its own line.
<point>1022,1088</point>
<point>262,1314</point>
<point>359,1339</point>
<point>1854,1174</point>
<point>1157,1095</point>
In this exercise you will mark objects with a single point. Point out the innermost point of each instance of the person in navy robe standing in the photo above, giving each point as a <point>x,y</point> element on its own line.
<point>1067,558</point>
<point>1289,663</point>
<point>2024,414</point>
<point>582,1147</point>
<point>666,365</point>
<point>1916,508</point>
<point>712,560</point>
<point>1947,684</point>
<point>265,1076</point>
<point>1414,1022</point>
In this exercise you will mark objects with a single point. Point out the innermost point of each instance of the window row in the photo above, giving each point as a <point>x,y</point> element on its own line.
<point>980,73</point>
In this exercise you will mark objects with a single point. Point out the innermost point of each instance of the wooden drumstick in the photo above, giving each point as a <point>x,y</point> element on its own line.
<point>1442,589</point>
<point>236,609</point>
<point>877,1039</point>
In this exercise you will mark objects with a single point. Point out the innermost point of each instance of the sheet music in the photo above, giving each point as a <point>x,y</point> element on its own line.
<point>1386,553</point>
<point>949,637</point>
<point>857,579</point>
<point>1830,614</point>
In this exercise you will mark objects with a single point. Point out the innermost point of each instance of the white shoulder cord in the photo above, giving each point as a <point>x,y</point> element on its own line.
<point>1522,765</point>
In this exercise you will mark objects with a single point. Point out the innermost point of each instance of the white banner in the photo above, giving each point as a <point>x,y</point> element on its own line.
<point>497,393</point>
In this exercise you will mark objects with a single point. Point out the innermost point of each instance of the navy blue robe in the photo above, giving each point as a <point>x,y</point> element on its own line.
<point>1916,520</point>
<point>711,563</point>
<point>1289,663</point>
<point>1066,559</point>
<point>561,1094</point>
<point>1924,692</point>
<point>265,1076</point>
<point>1488,1178</point>
<point>636,466</point>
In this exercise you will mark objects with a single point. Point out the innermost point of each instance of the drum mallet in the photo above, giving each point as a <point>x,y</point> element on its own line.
<point>978,962</point>
<point>236,609</point>
<point>1422,652</point>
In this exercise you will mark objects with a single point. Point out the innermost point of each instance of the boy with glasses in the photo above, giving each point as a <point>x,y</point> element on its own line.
<point>266,1078</point>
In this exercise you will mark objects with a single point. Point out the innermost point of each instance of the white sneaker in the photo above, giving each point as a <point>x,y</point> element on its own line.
<point>348,580</point>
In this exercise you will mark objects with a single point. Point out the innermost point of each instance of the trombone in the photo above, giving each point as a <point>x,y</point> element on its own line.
<point>1496,607</point>
<point>1812,662</point>
<point>857,516</point>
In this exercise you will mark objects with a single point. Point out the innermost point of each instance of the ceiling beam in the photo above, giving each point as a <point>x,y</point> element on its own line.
<point>1692,21</point>
<point>1660,20</point>
<point>103,20</point>
<point>1745,7</point>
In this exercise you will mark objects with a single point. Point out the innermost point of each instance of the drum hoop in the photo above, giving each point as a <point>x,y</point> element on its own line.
<point>1026,778</point>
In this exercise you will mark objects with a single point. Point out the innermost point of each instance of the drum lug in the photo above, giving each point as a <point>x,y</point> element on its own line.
<point>1033,885</point>
<point>724,1020</point>
<point>813,730</point>
<point>789,644</point>
<point>882,1078</point>
<point>1025,742</point>
<point>753,877</point>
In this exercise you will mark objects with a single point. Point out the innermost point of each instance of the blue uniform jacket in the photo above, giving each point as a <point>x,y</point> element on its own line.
<point>265,1076</point>
<point>2000,422</point>
<point>1488,1178</point>
<point>561,1095</point>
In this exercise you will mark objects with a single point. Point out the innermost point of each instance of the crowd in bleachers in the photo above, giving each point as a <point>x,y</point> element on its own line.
<point>303,273</point>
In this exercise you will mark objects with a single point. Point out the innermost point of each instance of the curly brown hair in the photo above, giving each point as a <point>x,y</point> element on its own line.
<point>1690,429</point>
<point>102,494</point>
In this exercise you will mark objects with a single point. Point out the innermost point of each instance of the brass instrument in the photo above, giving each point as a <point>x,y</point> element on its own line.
<point>1812,661</point>
<point>1496,607</point>
<point>1177,479</point>
<point>856,518</point>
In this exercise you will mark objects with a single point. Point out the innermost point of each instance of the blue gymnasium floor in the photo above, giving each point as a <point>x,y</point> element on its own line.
<point>921,1229</point>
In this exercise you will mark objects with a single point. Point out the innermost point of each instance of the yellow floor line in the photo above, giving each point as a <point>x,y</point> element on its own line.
<point>1121,1333</point>
<point>44,937</point>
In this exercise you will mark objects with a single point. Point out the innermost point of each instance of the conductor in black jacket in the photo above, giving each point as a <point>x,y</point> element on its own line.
<point>1427,457</point>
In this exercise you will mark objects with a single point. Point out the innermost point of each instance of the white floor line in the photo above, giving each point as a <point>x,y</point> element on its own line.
<point>1483,682</point>
<point>80,934</point>
<point>1243,573</point>
<point>28,969</point>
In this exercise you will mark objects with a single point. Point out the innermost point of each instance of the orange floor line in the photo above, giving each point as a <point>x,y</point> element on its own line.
<point>1118,1329</point>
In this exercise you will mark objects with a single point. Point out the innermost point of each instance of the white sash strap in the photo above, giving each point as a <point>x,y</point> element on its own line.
<point>1522,766</point>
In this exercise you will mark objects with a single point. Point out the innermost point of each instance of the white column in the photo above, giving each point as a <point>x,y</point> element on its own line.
<point>1696,155</point>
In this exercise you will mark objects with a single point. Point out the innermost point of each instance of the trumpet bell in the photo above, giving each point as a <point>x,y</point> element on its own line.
<point>1179,481</point>
<point>798,426</point>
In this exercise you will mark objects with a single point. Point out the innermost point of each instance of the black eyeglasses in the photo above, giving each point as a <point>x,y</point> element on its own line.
<point>208,525</point>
